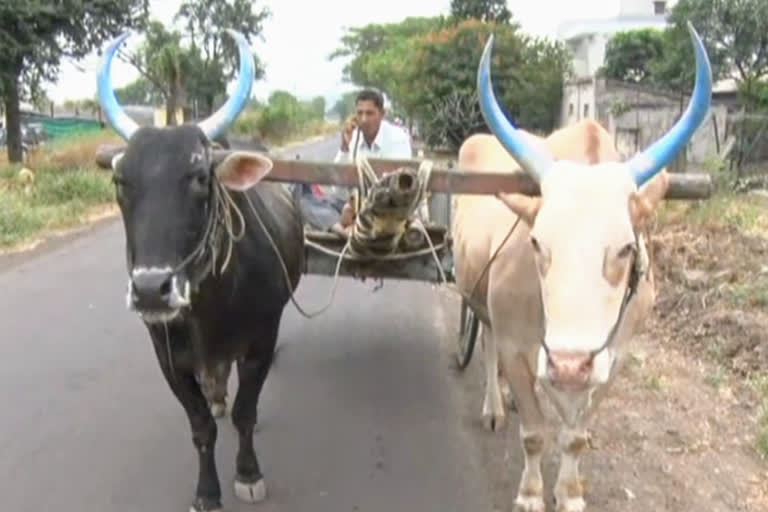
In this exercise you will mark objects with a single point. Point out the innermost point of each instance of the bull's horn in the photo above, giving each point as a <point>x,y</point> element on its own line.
<point>118,119</point>
<point>219,121</point>
<point>213,126</point>
<point>530,158</point>
<point>646,164</point>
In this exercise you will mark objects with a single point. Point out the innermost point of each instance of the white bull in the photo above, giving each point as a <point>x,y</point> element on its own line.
<point>571,284</point>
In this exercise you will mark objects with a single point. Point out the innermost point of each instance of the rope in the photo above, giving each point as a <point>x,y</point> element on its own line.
<point>285,268</point>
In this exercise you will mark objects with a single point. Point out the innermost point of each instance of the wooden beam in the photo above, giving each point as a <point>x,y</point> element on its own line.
<point>682,186</point>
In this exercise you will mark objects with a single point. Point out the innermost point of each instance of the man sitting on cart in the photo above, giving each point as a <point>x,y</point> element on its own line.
<point>374,136</point>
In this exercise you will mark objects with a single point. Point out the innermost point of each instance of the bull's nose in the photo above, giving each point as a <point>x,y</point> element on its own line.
<point>152,289</point>
<point>569,370</point>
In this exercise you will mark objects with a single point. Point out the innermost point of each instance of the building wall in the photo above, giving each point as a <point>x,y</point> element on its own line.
<point>637,116</point>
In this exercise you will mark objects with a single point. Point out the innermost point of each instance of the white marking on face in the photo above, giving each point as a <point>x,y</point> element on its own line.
<point>159,317</point>
<point>177,300</point>
<point>139,271</point>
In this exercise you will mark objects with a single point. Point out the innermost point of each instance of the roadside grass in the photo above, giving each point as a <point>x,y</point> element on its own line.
<point>748,212</point>
<point>250,124</point>
<point>63,190</point>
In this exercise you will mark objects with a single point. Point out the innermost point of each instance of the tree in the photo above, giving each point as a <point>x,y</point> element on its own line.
<point>378,49</point>
<point>140,92</point>
<point>215,51</point>
<point>485,10</point>
<point>36,34</point>
<point>629,55</point>
<point>441,76</point>
<point>345,105</point>
<point>317,107</point>
<point>166,64</point>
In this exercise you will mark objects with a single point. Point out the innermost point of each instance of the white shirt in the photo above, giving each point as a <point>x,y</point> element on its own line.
<point>391,142</point>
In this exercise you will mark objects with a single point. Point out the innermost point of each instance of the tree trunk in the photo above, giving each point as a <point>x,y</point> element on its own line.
<point>13,120</point>
<point>170,111</point>
<point>209,99</point>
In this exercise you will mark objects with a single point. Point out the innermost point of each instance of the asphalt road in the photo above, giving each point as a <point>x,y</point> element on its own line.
<point>361,411</point>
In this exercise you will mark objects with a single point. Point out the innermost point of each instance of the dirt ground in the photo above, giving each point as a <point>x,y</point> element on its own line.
<point>681,429</point>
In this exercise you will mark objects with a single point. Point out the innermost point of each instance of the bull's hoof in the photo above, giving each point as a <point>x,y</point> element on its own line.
<point>250,492</point>
<point>529,504</point>
<point>494,422</point>
<point>219,409</point>
<point>571,505</point>
<point>204,505</point>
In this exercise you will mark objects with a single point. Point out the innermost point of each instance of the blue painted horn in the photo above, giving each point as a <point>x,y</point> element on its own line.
<point>213,126</point>
<point>643,166</point>
<point>647,164</point>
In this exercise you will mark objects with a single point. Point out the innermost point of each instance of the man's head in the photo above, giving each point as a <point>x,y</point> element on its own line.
<point>369,109</point>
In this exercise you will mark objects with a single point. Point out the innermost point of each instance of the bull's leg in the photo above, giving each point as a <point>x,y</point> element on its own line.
<point>573,442</point>
<point>530,494</point>
<point>252,371</point>
<point>214,386</point>
<point>494,416</point>
<point>569,492</point>
<point>185,387</point>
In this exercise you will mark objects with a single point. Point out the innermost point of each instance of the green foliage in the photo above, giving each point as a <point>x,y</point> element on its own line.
<point>528,76</point>
<point>283,117</point>
<point>345,105</point>
<point>193,67</point>
<point>139,92</point>
<point>629,54</point>
<point>485,10</point>
<point>733,32</point>
<point>428,68</point>
<point>216,55</point>
<point>36,34</point>
<point>376,49</point>
<point>67,187</point>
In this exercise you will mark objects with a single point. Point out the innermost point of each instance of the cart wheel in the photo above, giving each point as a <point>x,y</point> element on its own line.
<point>468,328</point>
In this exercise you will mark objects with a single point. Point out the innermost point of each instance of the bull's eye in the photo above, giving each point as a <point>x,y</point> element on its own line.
<point>201,181</point>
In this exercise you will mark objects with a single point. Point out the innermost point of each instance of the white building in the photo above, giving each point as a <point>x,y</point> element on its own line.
<point>588,38</point>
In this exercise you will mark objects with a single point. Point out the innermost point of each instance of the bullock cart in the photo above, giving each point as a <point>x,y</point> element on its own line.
<point>420,251</point>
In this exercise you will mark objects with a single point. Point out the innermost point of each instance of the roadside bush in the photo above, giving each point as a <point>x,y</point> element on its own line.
<point>284,117</point>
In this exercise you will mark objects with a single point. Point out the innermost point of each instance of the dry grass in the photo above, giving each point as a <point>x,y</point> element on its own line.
<point>712,261</point>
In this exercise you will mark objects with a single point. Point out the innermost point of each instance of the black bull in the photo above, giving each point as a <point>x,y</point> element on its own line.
<point>213,255</point>
<point>168,191</point>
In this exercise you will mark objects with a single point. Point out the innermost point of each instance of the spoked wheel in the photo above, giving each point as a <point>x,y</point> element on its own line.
<point>468,328</point>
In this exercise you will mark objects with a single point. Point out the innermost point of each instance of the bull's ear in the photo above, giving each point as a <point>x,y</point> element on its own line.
<point>241,170</point>
<point>644,202</point>
<point>525,207</point>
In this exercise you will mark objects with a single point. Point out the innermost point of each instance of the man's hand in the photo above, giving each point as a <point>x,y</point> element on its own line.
<point>346,135</point>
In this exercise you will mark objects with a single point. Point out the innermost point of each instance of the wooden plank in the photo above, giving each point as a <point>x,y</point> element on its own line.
<point>682,186</point>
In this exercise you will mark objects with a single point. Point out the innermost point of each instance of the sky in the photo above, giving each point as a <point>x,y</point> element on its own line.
<point>300,35</point>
